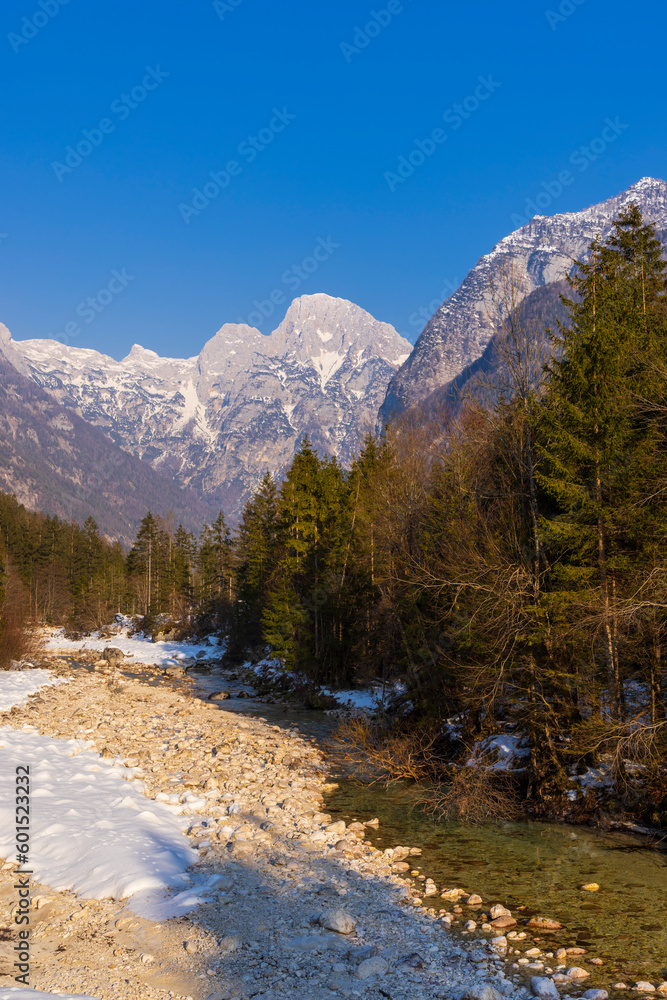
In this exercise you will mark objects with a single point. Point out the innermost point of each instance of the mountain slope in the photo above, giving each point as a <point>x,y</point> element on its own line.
<point>54,461</point>
<point>539,253</point>
<point>216,422</point>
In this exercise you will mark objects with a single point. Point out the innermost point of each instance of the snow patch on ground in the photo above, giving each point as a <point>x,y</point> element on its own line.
<point>91,831</point>
<point>160,906</point>
<point>369,699</point>
<point>327,364</point>
<point>16,686</point>
<point>140,648</point>
<point>508,752</point>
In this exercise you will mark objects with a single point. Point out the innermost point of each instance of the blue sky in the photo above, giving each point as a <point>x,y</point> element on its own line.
<point>302,113</point>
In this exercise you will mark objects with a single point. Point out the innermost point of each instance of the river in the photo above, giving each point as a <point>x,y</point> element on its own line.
<point>537,866</point>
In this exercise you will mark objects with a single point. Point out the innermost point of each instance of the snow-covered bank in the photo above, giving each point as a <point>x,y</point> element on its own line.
<point>368,700</point>
<point>91,830</point>
<point>139,647</point>
<point>16,686</point>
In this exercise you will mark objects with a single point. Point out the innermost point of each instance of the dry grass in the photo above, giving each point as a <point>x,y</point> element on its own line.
<point>474,795</point>
<point>382,752</point>
<point>17,640</point>
<point>374,751</point>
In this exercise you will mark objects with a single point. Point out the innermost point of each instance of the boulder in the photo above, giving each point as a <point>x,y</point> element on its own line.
<point>544,988</point>
<point>371,967</point>
<point>644,987</point>
<point>474,900</point>
<point>480,991</point>
<point>498,910</point>
<point>503,923</point>
<point>219,696</point>
<point>595,995</point>
<point>337,920</point>
<point>337,828</point>
<point>112,654</point>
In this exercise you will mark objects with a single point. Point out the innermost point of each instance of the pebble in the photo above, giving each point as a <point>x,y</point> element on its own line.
<point>595,995</point>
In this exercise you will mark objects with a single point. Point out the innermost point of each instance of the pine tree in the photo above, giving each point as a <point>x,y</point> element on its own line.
<point>594,440</point>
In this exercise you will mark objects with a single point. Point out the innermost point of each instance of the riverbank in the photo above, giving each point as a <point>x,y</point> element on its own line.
<point>252,795</point>
<point>269,863</point>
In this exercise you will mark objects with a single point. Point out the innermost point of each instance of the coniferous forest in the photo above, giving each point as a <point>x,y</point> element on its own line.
<point>502,562</point>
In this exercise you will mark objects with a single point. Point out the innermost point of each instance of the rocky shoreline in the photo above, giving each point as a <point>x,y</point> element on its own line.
<point>302,906</point>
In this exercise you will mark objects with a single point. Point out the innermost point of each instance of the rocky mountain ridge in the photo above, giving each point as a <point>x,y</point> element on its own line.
<point>217,421</point>
<point>538,254</point>
<point>53,460</point>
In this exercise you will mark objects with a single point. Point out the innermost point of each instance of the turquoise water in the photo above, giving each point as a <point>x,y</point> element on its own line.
<point>540,867</point>
<point>537,866</point>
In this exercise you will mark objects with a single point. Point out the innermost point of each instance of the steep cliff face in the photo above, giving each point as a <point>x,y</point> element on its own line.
<point>216,422</point>
<point>538,254</point>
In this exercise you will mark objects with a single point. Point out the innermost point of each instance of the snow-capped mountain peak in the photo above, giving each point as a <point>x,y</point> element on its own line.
<point>539,253</point>
<point>217,421</point>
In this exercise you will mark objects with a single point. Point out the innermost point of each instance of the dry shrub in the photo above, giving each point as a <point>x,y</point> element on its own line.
<point>376,751</point>
<point>17,641</point>
<point>473,795</point>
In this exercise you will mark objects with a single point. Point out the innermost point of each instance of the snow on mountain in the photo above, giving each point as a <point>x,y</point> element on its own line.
<point>216,422</point>
<point>539,253</point>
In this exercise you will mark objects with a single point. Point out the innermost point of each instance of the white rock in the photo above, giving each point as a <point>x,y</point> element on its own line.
<point>339,921</point>
<point>338,828</point>
<point>499,942</point>
<point>576,973</point>
<point>544,988</point>
<point>644,987</point>
<point>498,910</point>
<point>371,967</point>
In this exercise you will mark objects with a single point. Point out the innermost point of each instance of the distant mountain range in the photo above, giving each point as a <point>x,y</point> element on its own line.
<point>216,422</point>
<point>195,435</point>
<point>54,461</point>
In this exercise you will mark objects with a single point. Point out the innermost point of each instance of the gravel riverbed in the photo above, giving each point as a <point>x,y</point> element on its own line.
<point>299,907</point>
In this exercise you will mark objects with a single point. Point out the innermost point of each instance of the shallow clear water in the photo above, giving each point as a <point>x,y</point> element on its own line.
<point>538,866</point>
